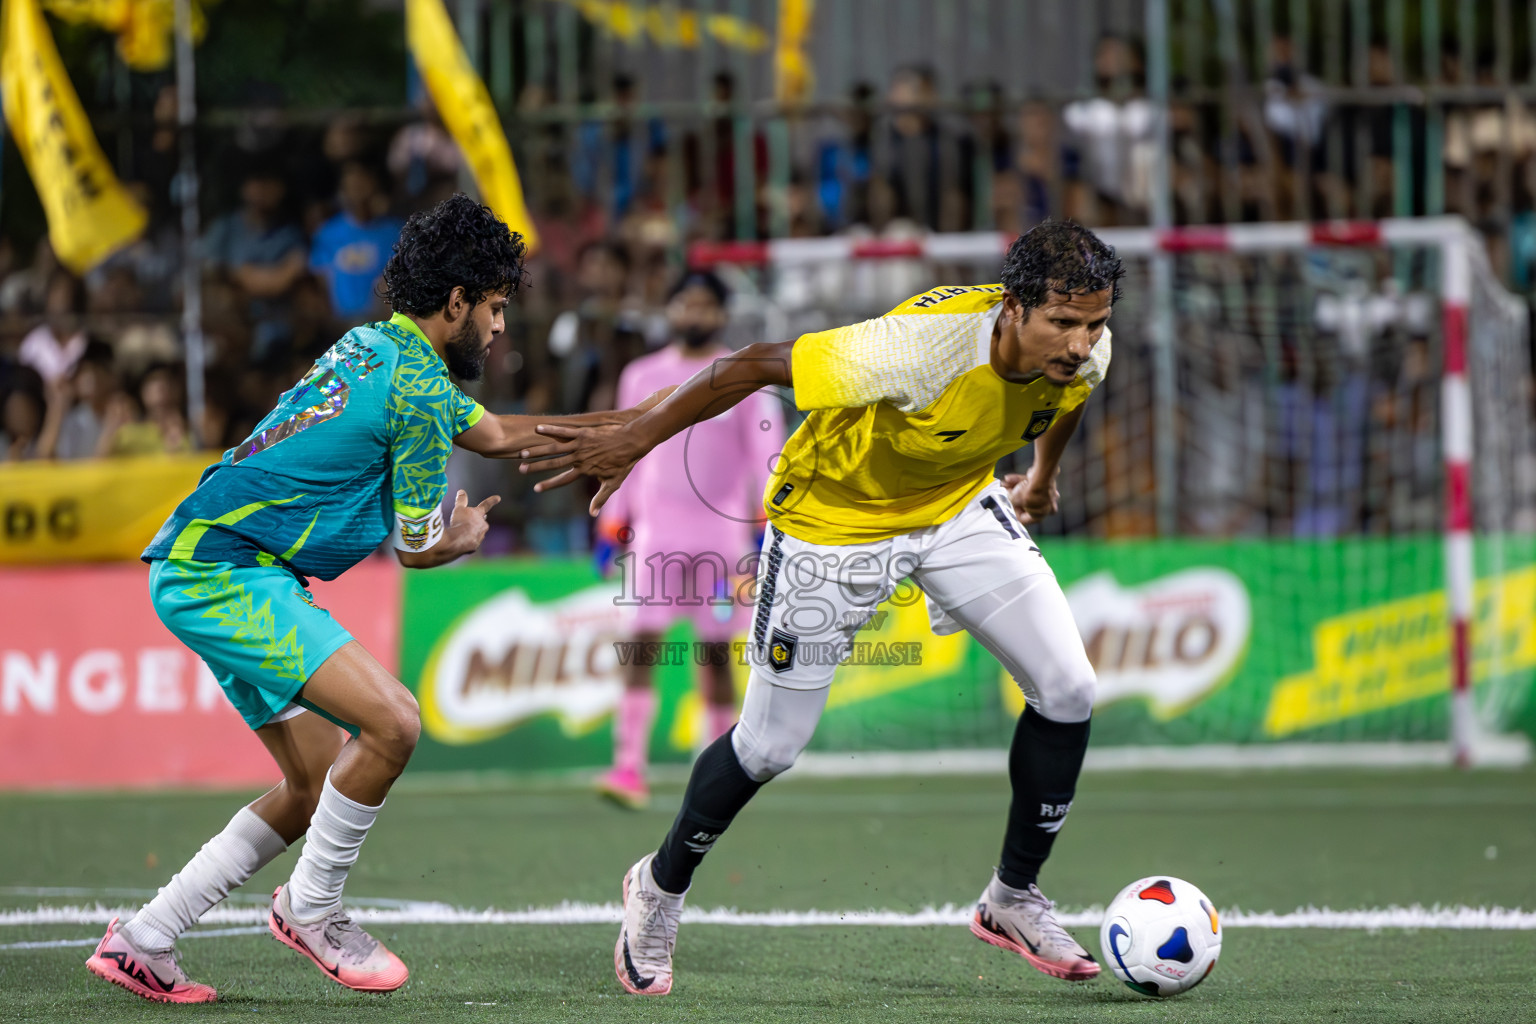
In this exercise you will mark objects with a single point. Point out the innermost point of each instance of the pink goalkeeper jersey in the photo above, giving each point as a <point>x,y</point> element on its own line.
<point>702,490</point>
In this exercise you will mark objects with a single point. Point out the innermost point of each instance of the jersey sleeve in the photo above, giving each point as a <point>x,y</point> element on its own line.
<point>901,359</point>
<point>425,417</point>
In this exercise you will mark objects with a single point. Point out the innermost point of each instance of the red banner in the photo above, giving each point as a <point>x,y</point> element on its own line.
<point>95,692</point>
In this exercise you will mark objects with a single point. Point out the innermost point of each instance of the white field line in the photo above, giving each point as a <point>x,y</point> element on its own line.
<point>212,933</point>
<point>1491,752</point>
<point>1369,919</point>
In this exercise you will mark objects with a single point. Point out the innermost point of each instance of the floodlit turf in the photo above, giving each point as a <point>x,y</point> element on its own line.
<point>1259,842</point>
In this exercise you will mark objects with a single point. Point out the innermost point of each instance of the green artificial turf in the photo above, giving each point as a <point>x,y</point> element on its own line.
<point>1261,841</point>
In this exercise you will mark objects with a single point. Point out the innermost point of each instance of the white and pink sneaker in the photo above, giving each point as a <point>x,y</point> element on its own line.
<point>155,975</point>
<point>1024,922</point>
<point>642,958</point>
<point>625,787</point>
<point>335,944</point>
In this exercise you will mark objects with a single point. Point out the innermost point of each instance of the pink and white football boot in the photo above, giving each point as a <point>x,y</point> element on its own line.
<point>155,975</point>
<point>344,952</point>
<point>642,958</point>
<point>1025,923</point>
<point>625,787</point>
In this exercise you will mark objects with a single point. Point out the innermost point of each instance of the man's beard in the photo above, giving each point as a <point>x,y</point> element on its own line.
<point>464,354</point>
<point>697,338</point>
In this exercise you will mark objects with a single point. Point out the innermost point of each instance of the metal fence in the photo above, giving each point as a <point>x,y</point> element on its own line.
<point>980,114</point>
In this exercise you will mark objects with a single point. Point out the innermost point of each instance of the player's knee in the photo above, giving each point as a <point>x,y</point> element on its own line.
<point>763,757</point>
<point>1070,698</point>
<point>398,727</point>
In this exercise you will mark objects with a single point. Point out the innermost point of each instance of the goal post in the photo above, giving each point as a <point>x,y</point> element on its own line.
<point>1347,397</point>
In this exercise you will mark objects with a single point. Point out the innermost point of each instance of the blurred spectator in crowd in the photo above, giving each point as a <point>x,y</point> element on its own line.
<point>843,160</point>
<point>1361,178</point>
<point>26,291</point>
<point>710,162</point>
<point>143,276</point>
<point>351,248</point>
<point>150,421</point>
<point>1475,136</point>
<point>156,156</point>
<point>611,154</point>
<point>22,411</point>
<point>261,251</point>
<point>78,405</point>
<point>424,161</point>
<point>52,347</point>
<point>1046,166</point>
<point>604,332</point>
<point>1114,130</point>
<point>923,168</point>
<point>1294,106</point>
<point>985,149</point>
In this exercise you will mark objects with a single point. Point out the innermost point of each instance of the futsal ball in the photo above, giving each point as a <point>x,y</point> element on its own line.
<point>1161,936</point>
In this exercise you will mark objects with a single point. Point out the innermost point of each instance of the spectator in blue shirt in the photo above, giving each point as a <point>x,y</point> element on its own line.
<point>261,251</point>
<point>351,248</point>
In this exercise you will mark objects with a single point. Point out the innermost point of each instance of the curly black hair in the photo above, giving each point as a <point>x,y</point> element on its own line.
<point>458,242</point>
<point>1059,256</point>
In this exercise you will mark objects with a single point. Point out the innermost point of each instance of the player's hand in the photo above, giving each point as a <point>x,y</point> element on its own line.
<point>467,523</point>
<point>1033,499</point>
<point>606,453</point>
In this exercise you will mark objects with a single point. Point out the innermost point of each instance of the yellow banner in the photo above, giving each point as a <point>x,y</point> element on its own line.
<point>793,76</point>
<point>667,26</point>
<point>94,511</point>
<point>145,29</point>
<point>467,112</point>
<point>1397,652</point>
<point>90,216</point>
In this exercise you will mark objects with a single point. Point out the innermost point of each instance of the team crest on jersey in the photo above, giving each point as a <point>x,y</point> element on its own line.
<point>1039,422</point>
<point>781,651</point>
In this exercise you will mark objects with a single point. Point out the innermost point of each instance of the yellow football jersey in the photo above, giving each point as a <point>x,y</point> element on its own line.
<point>907,418</point>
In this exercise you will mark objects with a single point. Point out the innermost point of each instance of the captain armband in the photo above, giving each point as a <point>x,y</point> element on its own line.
<point>416,533</point>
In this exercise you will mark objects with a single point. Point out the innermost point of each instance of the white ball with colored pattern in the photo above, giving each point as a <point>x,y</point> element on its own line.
<point>1161,936</point>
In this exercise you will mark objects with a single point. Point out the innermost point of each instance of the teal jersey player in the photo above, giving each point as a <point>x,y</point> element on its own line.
<point>355,452</point>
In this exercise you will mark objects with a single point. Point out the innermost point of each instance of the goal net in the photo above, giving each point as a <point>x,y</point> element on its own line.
<point>1298,520</point>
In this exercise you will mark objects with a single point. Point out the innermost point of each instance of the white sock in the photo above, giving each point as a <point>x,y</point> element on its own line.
<point>226,861</point>
<point>336,833</point>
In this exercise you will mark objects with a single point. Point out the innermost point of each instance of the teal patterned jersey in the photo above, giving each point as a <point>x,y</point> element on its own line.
<point>354,452</point>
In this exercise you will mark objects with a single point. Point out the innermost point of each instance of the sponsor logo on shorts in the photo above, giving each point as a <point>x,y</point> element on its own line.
<point>781,651</point>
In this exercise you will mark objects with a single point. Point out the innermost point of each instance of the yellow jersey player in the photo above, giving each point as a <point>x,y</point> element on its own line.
<point>891,477</point>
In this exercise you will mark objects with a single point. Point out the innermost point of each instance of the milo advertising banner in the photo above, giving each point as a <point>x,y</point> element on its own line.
<point>518,664</point>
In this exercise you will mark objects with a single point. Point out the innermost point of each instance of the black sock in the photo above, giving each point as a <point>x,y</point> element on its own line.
<point>717,789</point>
<point>1043,765</point>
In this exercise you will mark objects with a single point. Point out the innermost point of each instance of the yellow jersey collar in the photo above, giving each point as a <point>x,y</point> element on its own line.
<point>411,328</point>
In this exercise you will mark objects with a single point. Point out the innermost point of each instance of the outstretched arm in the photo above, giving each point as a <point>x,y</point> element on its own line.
<point>506,437</point>
<point>609,452</point>
<point>1034,494</point>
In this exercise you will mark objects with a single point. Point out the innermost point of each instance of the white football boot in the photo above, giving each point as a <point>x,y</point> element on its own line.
<point>1024,923</point>
<point>642,958</point>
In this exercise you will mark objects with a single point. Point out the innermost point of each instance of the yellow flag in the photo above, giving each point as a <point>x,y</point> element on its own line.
<point>793,76</point>
<point>90,216</point>
<point>145,29</point>
<point>466,110</point>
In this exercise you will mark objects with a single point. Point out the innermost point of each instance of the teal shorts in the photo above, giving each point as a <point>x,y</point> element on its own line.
<point>255,626</point>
